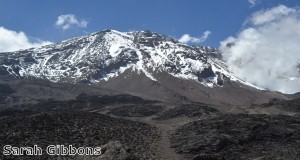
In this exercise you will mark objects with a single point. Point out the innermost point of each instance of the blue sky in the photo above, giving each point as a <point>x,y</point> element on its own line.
<point>222,18</point>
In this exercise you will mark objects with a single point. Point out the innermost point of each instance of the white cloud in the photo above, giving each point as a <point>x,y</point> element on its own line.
<point>13,41</point>
<point>68,21</point>
<point>267,16</point>
<point>186,38</point>
<point>252,2</point>
<point>268,52</point>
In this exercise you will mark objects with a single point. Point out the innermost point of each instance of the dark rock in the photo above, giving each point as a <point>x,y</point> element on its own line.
<point>78,129</point>
<point>208,157</point>
<point>240,137</point>
<point>286,105</point>
<point>191,110</point>
<point>114,150</point>
<point>5,89</point>
<point>207,72</point>
<point>83,101</point>
<point>136,110</point>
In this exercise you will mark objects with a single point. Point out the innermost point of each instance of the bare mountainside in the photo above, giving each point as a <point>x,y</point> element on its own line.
<point>141,63</point>
<point>129,127</point>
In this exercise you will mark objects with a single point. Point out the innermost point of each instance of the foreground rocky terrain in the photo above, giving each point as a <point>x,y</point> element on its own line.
<point>129,139</point>
<point>240,137</point>
<point>129,127</point>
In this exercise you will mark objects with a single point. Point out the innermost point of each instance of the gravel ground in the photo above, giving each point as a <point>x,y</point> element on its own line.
<point>189,110</point>
<point>240,136</point>
<point>26,128</point>
<point>136,110</point>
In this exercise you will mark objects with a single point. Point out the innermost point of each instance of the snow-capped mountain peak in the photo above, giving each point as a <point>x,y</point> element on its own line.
<point>106,54</point>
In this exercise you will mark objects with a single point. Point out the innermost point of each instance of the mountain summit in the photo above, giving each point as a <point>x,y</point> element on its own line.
<point>128,61</point>
<point>106,54</point>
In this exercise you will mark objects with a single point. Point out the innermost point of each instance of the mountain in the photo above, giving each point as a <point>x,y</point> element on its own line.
<point>106,54</point>
<point>140,95</point>
<point>140,63</point>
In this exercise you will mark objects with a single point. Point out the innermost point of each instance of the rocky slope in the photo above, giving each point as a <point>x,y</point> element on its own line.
<point>119,139</point>
<point>125,62</point>
<point>239,137</point>
<point>128,127</point>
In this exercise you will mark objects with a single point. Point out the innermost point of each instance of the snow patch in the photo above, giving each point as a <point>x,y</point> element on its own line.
<point>114,50</point>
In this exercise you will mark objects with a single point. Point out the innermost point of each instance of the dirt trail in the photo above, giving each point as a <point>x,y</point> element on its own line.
<point>166,129</point>
<point>163,145</point>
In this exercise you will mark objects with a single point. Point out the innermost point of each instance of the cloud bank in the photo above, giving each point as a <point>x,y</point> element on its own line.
<point>13,41</point>
<point>186,38</point>
<point>267,53</point>
<point>270,15</point>
<point>68,21</point>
